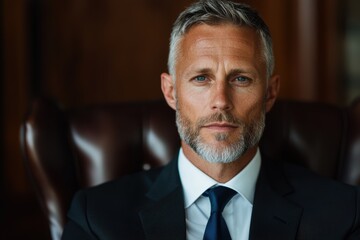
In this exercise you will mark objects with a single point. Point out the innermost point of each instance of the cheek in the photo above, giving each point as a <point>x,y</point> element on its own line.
<point>190,102</point>
<point>250,106</point>
<point>257,110</point>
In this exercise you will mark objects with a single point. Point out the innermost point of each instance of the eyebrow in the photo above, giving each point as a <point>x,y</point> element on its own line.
<point>237,71</point>
<point>232,72</point>
<point>198,72</point>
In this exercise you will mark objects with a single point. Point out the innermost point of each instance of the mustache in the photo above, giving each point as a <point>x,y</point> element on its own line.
<point>220,117</point>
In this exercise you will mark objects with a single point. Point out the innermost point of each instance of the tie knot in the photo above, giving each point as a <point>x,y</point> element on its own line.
<point>219,197</point>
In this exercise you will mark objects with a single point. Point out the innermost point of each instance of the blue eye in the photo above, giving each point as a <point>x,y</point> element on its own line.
<point>200,78</point>
<point>241,79</point>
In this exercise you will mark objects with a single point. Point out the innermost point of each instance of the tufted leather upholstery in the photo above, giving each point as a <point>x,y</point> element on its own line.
<point>65,150</point>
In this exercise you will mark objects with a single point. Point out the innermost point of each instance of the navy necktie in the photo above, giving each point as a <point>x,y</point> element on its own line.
<point>216,228</point>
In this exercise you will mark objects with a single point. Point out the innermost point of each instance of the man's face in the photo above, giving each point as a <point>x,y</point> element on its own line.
<point>220,91</point>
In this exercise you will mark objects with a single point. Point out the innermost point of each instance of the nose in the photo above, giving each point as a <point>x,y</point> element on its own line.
<point>221,96</point>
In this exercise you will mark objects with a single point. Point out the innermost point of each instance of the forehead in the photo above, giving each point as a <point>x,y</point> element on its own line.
<point>223,42</point>
<point>225,32</point>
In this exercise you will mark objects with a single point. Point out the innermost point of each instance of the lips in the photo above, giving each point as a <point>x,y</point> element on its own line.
<point>220,126</point>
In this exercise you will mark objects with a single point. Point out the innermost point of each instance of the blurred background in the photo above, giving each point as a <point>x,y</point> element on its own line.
<point>83,52</point>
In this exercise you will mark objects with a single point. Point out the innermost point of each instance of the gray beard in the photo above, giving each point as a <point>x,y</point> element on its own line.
<point>249,137</point>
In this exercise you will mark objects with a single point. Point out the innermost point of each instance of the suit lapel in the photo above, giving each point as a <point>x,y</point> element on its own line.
<point>273,217</point>
<point>164,216</point>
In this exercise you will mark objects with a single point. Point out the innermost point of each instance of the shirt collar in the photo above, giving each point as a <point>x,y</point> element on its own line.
<point>195,182</point>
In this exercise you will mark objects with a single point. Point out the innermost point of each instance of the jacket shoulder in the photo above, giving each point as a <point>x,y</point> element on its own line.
<point>325,202</point>
<point>111,208</point>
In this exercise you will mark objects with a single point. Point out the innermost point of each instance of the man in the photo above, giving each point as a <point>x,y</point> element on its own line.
<point>221,85</point>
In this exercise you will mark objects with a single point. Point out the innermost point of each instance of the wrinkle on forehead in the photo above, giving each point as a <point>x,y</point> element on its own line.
<point>206,35</point>
<point>205,42</point>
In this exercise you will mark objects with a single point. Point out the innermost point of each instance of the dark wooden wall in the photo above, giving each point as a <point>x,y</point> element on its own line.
<point>94,51</point>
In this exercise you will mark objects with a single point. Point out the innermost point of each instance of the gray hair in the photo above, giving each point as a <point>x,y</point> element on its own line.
<point>215,12</point>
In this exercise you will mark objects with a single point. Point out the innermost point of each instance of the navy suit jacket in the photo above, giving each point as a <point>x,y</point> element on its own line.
<point>289,203</point>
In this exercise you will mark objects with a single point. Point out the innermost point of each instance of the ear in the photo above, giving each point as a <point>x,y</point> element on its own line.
<point>168,89</point>
<point>272,91</point>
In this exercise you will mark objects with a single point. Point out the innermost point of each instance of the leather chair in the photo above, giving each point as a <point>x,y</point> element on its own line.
<point>65,150</point>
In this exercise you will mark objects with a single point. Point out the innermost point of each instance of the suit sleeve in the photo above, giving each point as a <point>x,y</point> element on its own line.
<point>355,235</point>
<point>78,227</point>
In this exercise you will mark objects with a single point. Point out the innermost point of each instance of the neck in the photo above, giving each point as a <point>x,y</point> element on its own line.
<point>220,172</point>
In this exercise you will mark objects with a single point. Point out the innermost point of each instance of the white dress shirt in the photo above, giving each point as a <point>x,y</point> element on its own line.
<point>237,212</point>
